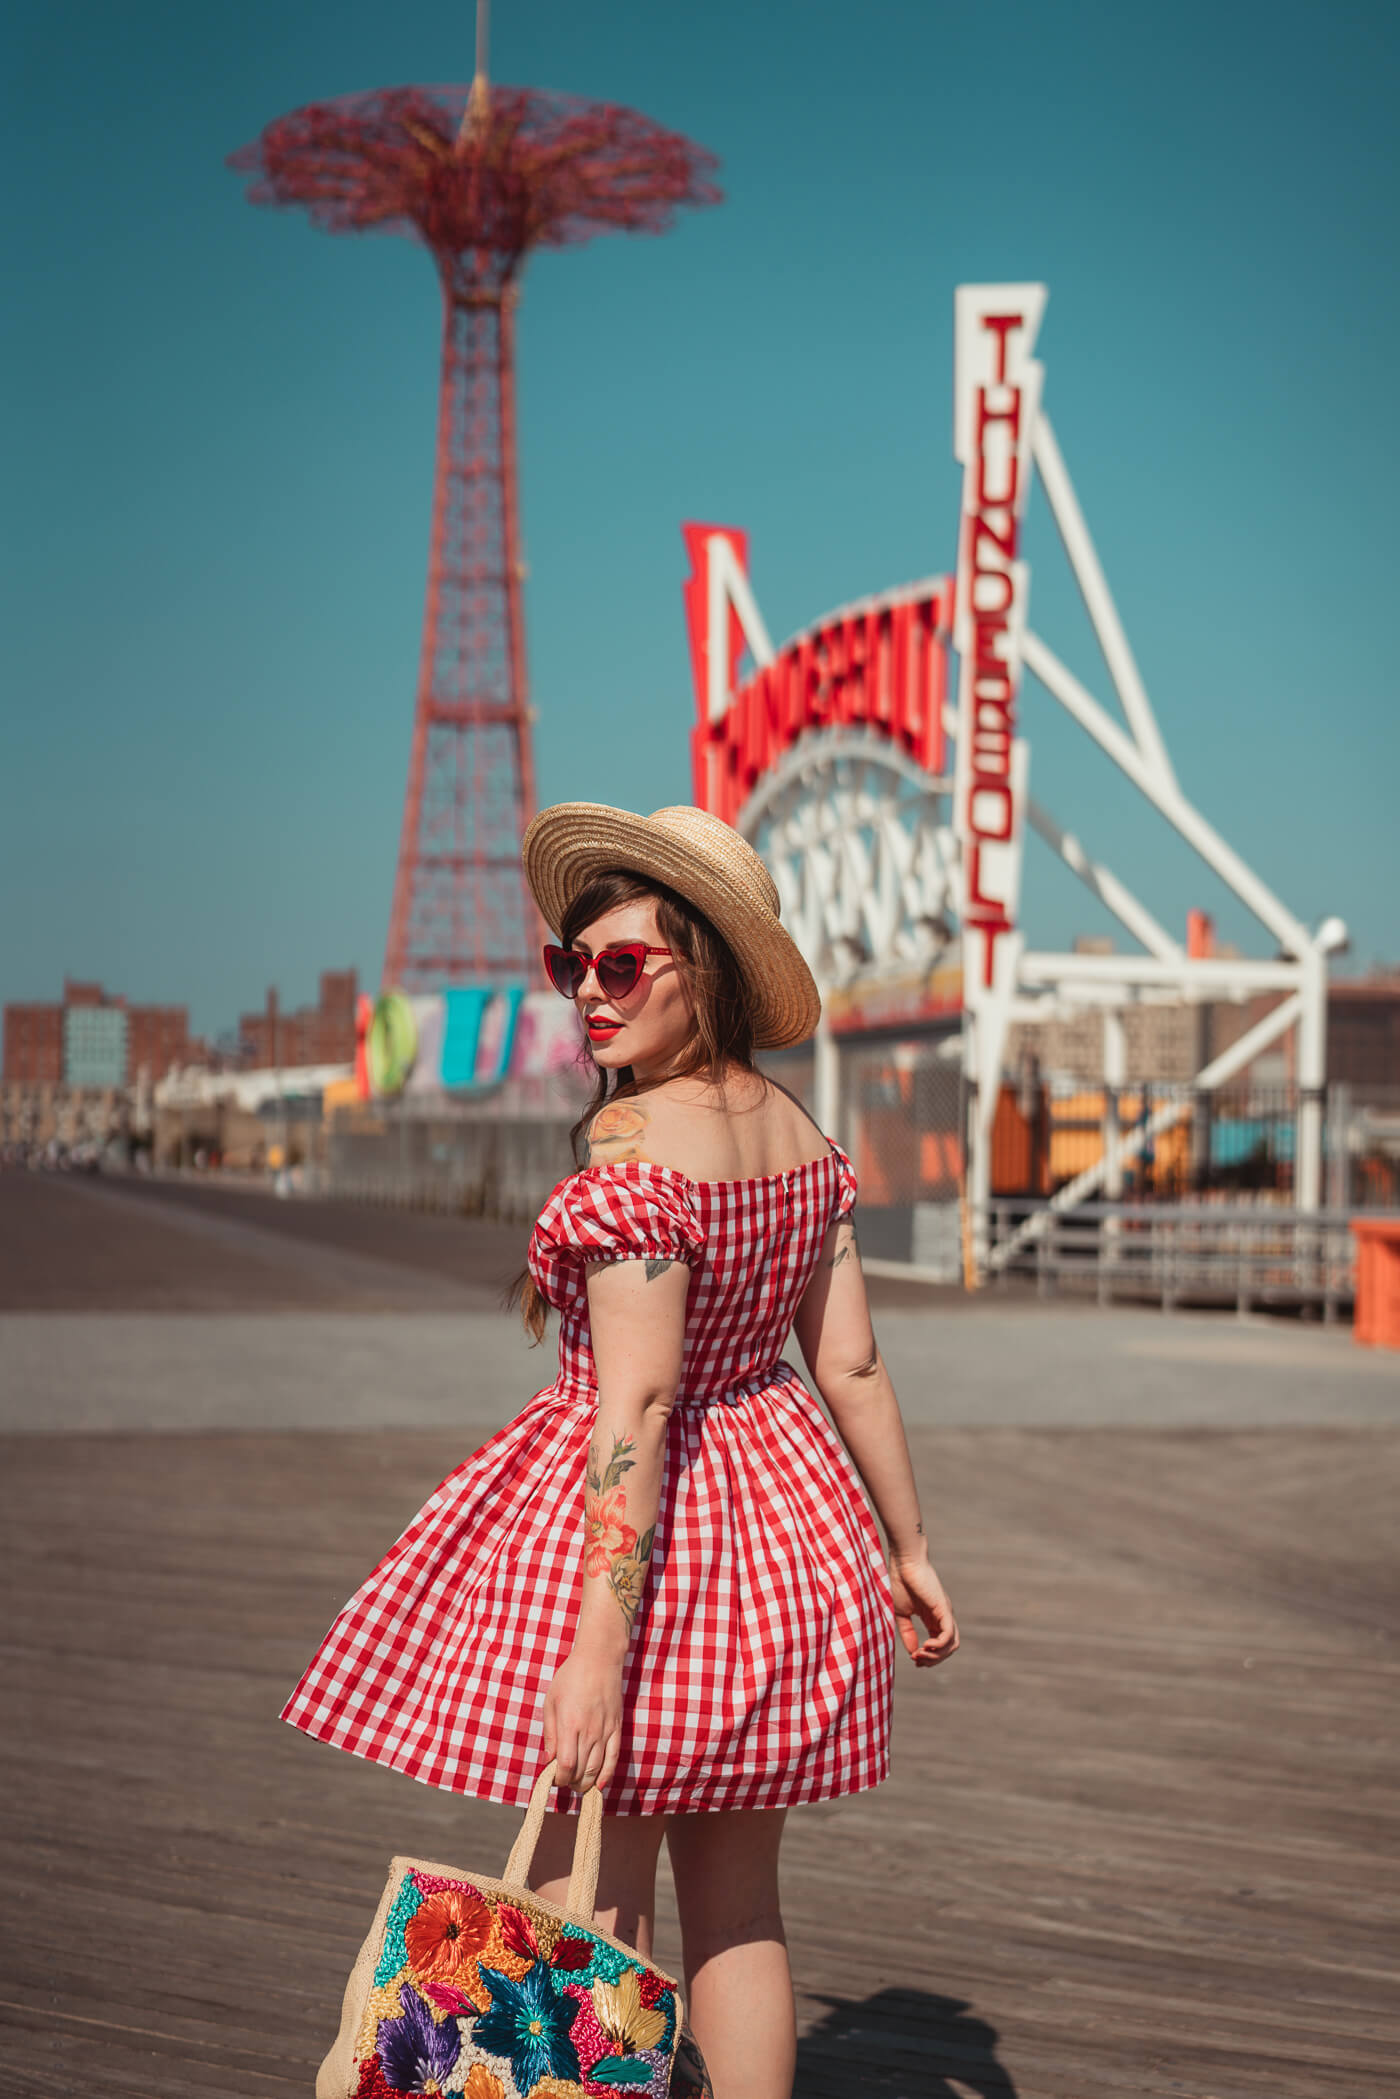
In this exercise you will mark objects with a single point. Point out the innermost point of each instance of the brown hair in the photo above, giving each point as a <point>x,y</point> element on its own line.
<point>723,1027</point>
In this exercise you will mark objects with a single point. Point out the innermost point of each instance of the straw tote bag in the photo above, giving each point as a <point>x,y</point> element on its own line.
<point>474,1985</point>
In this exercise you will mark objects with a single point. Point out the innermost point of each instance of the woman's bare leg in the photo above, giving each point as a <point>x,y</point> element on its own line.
<point>626,1904</point>
<point>738,1984</point>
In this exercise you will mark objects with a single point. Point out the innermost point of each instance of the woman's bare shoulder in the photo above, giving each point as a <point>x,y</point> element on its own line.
<point>745,1130</point>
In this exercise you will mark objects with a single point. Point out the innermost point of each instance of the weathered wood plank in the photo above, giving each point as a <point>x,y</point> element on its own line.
<point>1141,1836</point>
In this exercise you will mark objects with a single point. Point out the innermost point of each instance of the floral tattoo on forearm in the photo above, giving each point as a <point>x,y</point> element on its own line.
<point>612,1548</point>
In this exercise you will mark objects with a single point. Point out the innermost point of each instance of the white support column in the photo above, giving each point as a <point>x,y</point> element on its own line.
<point>977,1193</point>
<point>826,1080</point>
<point>1312,1072</point>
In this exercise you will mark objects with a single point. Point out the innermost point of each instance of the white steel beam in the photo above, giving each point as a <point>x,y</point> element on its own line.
<point>1098,600</point>
<point>1105,885</point>
<point>1311,1074</point>
<point>1215,974</point>
<point>1163,792</point>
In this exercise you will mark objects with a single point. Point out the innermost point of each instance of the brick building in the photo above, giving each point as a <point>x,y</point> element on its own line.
<point>1174,1041</point>
<point>89,1040</point>
<point>33,1052</point>
<point>1363,1034</point>
<point>319,1034</point>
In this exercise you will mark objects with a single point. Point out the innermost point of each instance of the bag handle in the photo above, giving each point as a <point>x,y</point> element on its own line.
<point>588,1845</point>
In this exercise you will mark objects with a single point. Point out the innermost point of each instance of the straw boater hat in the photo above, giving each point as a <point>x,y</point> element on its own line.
<point>711,866</point>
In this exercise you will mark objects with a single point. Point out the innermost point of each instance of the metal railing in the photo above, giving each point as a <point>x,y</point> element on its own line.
<point>1252,1256</point>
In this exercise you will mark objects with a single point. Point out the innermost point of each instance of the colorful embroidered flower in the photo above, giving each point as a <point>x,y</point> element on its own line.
<point>571,1952</point>
<point>450,2001</point>
<point>605,1533</point>
<point>481,2083</point>
<point>373,2084</point>
<point>381,2003</point>
<point>629,2024</point>
<point>529,2025</point>
<point>417,2053</point>
<point>517,1931</point>
<point>395,1954</point>
<point>623,2070</point>
<point>447,1930</point>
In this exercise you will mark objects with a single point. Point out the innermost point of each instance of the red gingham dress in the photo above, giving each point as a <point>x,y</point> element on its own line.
<point>759,1674</point>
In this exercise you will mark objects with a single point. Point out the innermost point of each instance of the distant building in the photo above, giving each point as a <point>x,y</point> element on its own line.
<point>1172,1040</point>
<point>158,1039</point>
<point>94,1045</point>
<point>89,1040</point>
<point>1363,1034</point>
<point>33,1054</point>
<point>319,1034</point>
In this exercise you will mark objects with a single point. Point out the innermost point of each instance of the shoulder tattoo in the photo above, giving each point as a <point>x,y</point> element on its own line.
<point>616,1134</point>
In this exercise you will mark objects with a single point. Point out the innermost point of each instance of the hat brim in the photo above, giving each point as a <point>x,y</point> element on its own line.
<point>568,845</point>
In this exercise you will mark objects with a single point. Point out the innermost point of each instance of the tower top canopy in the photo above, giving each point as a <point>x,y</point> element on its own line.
<point>526,170</point>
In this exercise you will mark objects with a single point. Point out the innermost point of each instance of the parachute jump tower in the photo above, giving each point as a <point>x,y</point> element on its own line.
<point>480,176</point>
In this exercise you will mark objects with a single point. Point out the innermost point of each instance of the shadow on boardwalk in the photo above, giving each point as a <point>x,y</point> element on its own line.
<point>897,2044</point>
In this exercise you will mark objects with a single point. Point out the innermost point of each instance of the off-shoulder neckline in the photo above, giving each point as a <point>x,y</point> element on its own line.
<point>830,1156</point>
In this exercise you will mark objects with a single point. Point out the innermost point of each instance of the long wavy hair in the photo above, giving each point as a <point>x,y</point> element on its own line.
<point>723,1019</point>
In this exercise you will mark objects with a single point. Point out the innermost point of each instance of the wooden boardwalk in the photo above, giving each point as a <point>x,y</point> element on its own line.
<point>1141,1837</point>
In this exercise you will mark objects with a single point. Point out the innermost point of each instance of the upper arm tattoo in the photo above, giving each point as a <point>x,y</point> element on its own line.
<point>616,1134</point>
<point>658,1267</point>
<point>846,1242</point>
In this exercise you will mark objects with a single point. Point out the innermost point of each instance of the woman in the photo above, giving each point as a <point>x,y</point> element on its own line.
<point>663,1573</point>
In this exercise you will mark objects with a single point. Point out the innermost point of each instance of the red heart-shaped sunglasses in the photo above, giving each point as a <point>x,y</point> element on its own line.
<point>618,969</point>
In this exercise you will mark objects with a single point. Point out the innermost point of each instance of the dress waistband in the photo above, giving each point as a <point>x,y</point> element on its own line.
<point>732,1394</point>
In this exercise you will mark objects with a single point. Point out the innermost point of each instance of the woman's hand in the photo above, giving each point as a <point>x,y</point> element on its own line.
<point>916,1592</point>
<point>583,1719</point>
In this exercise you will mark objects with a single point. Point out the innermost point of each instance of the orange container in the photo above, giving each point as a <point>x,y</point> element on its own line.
<point>1377,1282</point>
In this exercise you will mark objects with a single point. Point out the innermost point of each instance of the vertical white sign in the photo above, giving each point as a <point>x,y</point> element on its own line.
<point>996,399</point>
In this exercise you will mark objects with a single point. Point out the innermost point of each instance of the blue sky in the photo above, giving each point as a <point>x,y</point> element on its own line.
<point>221,427</point>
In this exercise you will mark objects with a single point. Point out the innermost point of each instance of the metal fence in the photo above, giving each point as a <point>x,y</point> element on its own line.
<point>1252,1256</point>
<point>1176,1141</point>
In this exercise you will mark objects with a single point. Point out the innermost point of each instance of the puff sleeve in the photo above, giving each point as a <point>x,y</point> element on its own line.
<point>633,1212</point>
<point>846,1184</point>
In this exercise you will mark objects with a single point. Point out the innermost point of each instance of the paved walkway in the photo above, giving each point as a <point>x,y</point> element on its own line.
<point>1141,1833</point>
<point>1140,1837</point>
<point>249,1313</point>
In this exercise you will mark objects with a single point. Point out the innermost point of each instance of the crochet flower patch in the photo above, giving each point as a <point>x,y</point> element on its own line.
<point>495,1999</point>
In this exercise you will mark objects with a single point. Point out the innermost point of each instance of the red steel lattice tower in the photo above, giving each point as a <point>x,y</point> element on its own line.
<point>480,176</point>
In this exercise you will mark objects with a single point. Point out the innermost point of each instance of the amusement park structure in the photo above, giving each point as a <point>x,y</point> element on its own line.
<point>899,873</point>
<point>480,176</point>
